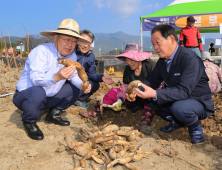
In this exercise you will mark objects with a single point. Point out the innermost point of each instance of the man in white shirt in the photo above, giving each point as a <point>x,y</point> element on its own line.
<point>46,84</point>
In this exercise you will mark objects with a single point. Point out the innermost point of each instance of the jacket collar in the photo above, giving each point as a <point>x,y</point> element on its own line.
<point>78,52</point>
<point>190,27</point>
<point>176,57</point>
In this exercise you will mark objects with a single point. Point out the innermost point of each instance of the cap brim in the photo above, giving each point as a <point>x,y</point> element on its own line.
<point>192,20</point>
<point>50,34</point>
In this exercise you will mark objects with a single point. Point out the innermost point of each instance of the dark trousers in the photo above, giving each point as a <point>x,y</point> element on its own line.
<point>32,100</point>
<point>95,86</point>
<point>185,111</point>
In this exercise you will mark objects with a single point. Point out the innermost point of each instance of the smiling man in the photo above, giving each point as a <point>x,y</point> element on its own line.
<point>186,97</point>
<point>45,84</point>
<point>87,59</point>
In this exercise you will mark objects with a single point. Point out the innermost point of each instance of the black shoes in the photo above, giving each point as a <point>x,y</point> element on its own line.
<point>53,116</point>
<point>33,131</point>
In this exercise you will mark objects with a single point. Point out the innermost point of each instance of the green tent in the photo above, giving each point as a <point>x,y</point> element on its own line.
<point>208,14</point>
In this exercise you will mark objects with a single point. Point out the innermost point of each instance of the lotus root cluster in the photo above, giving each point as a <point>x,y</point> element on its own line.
<point>108,145</point>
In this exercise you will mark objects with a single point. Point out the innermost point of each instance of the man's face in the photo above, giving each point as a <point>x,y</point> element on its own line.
<point>85,48</point>
<point>65,44</point>
<point>190,24</point>
<point>163,47</point>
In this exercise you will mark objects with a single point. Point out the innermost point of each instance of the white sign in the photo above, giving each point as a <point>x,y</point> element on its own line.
<point>220,28</point>
<point>218,42</point>
<point>18,47</point>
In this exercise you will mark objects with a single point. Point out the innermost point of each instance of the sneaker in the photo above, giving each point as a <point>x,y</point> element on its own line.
<point>91,115</point>
<point>80,104</point>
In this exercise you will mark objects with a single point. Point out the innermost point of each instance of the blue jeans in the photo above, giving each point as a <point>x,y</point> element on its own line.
<point>32,100</point>
<point>196,50</point>
<point>186,111</point>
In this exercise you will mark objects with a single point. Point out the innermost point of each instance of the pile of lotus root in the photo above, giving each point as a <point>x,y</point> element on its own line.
<point>107,145</point>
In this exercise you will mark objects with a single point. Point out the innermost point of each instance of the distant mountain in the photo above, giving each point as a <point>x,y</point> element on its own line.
<point>110,41</point>
<point>12,38</point>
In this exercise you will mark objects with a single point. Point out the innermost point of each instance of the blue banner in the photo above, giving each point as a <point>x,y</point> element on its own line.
<point>204,21</point>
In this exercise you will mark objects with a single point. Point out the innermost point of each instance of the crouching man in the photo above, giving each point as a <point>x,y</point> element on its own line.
<point>45,84</point>
<point>186,98</point>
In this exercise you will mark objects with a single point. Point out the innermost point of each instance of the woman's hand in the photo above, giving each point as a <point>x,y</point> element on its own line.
<point>129,99</point>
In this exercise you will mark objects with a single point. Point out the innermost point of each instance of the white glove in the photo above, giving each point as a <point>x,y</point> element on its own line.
<point>117,105</point>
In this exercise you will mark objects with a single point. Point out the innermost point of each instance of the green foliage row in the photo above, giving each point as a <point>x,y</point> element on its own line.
<point>116,52</point>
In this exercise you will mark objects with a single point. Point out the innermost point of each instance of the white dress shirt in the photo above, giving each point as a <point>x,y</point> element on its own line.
<point>40,67</point>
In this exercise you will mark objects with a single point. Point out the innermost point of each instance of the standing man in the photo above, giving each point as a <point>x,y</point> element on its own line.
<point>187,97</point>
<point>10,51</point>
<point>87,59</point>
<point>45,84</point>
<point>190,37</point>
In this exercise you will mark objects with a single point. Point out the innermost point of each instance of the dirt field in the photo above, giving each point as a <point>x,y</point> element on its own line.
<point>17,151</point>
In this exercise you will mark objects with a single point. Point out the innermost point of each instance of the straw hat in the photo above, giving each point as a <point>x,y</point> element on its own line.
<point>133,52</point>
<point>68,27</point>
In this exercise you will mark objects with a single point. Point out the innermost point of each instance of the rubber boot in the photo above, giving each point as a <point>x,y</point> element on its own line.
<point>196,133</point>
<point>174,125</point>
<point>145,122</point>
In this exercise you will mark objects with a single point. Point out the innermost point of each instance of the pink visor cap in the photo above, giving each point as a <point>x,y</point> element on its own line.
<point>133,52</point>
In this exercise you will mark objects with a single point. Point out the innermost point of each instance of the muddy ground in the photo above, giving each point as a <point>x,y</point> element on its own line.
<point>17,151</point>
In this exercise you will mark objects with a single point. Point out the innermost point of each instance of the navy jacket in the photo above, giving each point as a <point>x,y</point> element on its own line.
<point>88,62</point>
<point>186,79</point>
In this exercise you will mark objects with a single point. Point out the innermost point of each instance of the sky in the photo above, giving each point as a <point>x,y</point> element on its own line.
<point>99,16</point>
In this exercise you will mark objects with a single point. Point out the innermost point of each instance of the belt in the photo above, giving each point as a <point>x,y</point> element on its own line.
<point>192,46</point>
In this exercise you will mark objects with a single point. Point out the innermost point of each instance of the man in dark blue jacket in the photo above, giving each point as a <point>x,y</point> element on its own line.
<point>186,98</point>
<point>87,59</point>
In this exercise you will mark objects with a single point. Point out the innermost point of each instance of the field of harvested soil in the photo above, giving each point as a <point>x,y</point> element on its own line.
<point>18,152</point>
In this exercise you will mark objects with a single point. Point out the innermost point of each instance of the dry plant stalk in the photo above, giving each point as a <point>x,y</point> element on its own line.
<point>5,43</point>
<point>1,40</point>
<point>27,38</point>
<point>9,36</point>
<point>15,62</point>
<point>4,110</point>
<point>158,152</point>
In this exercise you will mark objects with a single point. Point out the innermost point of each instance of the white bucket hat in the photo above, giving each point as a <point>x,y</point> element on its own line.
<point>206,56</point>
<point>68,27</point>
